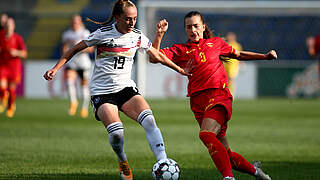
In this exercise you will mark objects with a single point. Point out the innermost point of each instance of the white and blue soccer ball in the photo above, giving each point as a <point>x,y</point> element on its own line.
<point>166,169</point>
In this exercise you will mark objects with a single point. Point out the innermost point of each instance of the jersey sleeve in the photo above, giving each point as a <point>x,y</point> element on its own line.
<point>145,44</point>
<point>317,44</point>
<point>21,44</point>
<point>226,49</point>
<point>94,38</point>
<point>174,53</point>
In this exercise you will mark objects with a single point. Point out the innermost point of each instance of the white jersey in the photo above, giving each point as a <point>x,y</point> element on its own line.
<point>114,54</point>
<point>80,61</point>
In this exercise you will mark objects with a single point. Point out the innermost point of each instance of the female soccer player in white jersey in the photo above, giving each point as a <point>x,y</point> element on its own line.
<point>111,86</point>
<point>79,65</point>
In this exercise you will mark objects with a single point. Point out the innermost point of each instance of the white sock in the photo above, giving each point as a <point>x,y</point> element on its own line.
<point>72,90</point>
<point>153,133</point>
<point>116,139</point>
<point>86,96</point>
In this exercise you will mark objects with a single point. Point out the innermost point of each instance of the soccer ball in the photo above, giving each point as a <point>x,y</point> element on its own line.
<point>166,169</point>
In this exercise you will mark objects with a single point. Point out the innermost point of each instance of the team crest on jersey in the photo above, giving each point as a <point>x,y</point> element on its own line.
<point>210,44</point>
<point>96,100</point>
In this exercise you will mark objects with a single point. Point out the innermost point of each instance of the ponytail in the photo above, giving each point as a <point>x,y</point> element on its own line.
<point>207,34</point>
<point>117,10</point>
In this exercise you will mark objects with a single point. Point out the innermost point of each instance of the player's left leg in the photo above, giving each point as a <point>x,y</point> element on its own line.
<point>71,85</point>
<point>12,99</point>
<point>138,109</point>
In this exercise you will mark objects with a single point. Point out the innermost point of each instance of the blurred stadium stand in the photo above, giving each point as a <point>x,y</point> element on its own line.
<point>41,23</point>
<point>259,33</point>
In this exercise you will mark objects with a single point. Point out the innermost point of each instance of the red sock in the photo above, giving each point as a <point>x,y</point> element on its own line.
<point>239,163</point>
<point>12,97</point>
<point>2,92</point>
<point>217,152</point>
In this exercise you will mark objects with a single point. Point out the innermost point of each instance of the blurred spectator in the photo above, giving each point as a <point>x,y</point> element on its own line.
<point>12,48</point>
<point>3,20</point>
<point>78,66</point>
<point>313,44</point>
<point>232,65</point>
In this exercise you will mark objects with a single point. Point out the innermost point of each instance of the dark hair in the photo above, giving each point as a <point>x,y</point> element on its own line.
<point>207,32</point>
<point>117,10</point>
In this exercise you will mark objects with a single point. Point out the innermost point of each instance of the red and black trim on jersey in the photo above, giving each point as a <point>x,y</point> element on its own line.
<point>111,48</point>
<point>136,31</point>
<point>106,28</point>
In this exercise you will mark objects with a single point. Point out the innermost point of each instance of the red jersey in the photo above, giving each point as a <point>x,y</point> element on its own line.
<point>202,60</point>
<point>6,44</point>
<point>317,44</point>
<point>10,67</point>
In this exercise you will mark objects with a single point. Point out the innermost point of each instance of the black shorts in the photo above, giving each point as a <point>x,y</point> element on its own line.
<point>80,72</point>
<point>117,99</point>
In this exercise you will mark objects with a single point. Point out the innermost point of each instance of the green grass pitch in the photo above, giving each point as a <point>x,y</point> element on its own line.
<point>43,142</point>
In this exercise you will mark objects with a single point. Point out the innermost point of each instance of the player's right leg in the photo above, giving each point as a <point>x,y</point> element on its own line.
<point>72,92</point>
<point>109,116</point>
<point>212,116</point>
<point>84,74</point>
<point>208,135</point>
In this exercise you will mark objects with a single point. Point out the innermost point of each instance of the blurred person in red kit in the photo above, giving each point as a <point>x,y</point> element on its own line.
<point>12,49</point>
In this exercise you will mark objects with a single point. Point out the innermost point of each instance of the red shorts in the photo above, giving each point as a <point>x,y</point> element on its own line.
<point>11,71</point>
<point>203,106</point>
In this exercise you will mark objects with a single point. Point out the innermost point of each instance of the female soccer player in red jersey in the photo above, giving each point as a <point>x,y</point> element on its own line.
<point>111,86</point>
<point>12,48</point>
<point>313,44</point>
<point>210,99</point>
<point>3,20</point>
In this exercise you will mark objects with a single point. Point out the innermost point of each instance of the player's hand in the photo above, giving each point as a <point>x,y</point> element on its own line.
<point>162,26</point>
<point>50,74</point>
<point>272,55</point>
<point>14,52</point>
<point>183,72</point>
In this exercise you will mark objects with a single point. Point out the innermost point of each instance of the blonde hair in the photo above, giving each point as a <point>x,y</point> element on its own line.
<point>117,10</point>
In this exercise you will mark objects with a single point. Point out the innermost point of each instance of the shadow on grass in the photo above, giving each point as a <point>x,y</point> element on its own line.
<point>277,170</point>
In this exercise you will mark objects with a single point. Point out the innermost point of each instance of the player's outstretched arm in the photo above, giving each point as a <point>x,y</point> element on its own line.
<point>161,28</point>
<point>246,55</point>
<point>157,57</point>
<point>64,59</point>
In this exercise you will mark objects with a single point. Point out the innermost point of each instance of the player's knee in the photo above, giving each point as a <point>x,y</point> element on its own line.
<point>206,136</point>
<point>146,119</point>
